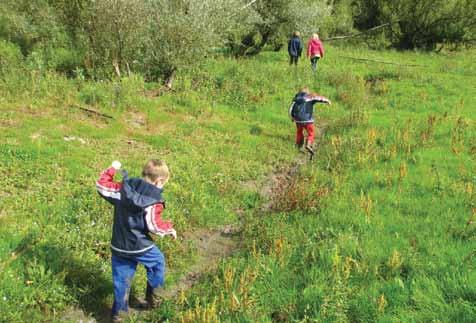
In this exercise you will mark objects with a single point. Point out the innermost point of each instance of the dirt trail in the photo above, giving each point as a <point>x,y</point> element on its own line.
<point>210,247</point>
<point>213,245</point>
<point>280,179</point>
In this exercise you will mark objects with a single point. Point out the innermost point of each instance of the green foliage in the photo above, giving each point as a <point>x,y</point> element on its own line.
<point>181,34</point>
<point>11,59</point>
<point>273,21</point>
<point>420,24</point>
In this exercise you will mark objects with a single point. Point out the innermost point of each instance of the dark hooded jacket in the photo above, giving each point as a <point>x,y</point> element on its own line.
<point>301,110</point>
<point>295,46</point>
<point>130,234</point>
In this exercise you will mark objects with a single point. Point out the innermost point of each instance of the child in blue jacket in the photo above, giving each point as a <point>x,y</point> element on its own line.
<point>138,206</point>
<point>294,48</point>
<point>301,112</point>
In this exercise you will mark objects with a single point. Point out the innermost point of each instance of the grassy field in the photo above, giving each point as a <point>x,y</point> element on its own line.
<point>379,227</point>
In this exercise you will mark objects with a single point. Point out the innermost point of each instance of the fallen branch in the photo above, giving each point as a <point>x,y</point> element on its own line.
<point>358,34</point>
<point>248,4</point>
<point>379,61</point>
<point>92,111</point>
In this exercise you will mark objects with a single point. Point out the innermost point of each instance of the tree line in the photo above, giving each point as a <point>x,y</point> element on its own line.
<point>106,38</point>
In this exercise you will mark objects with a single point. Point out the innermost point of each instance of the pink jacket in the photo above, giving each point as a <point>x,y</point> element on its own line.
<point>315,48</point>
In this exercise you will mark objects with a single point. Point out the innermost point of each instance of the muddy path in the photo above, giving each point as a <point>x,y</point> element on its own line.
<point>280,180</point>
<point>213,245</point>
<point>210,247</point>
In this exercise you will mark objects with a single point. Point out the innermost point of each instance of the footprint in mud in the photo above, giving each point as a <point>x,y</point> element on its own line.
<point>211,246</point>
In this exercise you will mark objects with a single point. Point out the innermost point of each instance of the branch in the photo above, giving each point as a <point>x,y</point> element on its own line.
<point>378,61</point>
<point>248,4</point>
<point>358,34</point>
<point>92,111</point>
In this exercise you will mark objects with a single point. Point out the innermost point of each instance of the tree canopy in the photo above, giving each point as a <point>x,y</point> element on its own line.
<point>156,37</point>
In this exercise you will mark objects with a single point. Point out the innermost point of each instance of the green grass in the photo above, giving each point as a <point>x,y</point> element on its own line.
<point>380,227</point>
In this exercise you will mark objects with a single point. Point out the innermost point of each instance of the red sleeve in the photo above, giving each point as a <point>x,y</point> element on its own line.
<point>156,224</point>
<point>107,187</point>
<point>317,98</point>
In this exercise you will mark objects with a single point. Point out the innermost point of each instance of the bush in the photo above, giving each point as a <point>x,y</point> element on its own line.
<point>419,24</point>
<point>11,58</point>
<point>65,60</point>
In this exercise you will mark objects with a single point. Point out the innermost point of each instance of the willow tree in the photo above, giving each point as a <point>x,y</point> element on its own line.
<point>420,24</point>
<point>181,33</point>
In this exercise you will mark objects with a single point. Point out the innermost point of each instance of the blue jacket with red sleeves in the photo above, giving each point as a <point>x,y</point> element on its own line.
<point>301,109</point>
<point>138,207</point>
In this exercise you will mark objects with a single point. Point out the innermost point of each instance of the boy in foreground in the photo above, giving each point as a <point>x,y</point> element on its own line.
<point>301,112</point>
<point>138,206</point>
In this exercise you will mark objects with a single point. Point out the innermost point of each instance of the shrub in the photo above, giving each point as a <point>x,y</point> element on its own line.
<point>11,58</point>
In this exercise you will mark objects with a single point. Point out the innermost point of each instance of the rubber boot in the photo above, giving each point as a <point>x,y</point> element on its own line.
<point>152,296</point>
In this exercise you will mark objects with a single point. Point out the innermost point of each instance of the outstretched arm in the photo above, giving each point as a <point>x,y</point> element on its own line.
<point>315,98</point>
<point>107,187</point>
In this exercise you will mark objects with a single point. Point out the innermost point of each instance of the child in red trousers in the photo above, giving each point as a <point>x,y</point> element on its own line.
<point>300,112</point>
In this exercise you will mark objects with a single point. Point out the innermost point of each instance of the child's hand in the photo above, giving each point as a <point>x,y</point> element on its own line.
<point>116,165</point>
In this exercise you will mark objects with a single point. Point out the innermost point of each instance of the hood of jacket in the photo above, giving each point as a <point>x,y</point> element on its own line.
<point>315,42</point>
<point>136,193</point>
<point>300,98</point>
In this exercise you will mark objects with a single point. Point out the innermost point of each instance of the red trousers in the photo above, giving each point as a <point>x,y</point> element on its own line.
<point>309,127</point>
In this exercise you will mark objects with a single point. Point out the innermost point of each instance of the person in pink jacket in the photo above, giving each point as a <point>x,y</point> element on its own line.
<point>315,50</point>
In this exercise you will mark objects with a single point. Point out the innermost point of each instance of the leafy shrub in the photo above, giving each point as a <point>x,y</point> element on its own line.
<point>92,95</point>
<point>11,58</point>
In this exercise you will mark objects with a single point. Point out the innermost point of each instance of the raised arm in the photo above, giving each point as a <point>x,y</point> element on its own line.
<point>107,187</point>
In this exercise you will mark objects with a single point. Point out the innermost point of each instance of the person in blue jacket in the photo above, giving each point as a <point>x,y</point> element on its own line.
<point>301,112</point>
<point>294,48</point>
<point>138,207</point>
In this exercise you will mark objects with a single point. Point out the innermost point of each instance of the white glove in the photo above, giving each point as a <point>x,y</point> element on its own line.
<point>116,164</point>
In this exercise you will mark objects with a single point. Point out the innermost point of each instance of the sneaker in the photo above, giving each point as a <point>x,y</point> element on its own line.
<point>310,150</point>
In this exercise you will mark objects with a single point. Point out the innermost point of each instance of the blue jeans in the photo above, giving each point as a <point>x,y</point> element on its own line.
<point>123,270</point>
